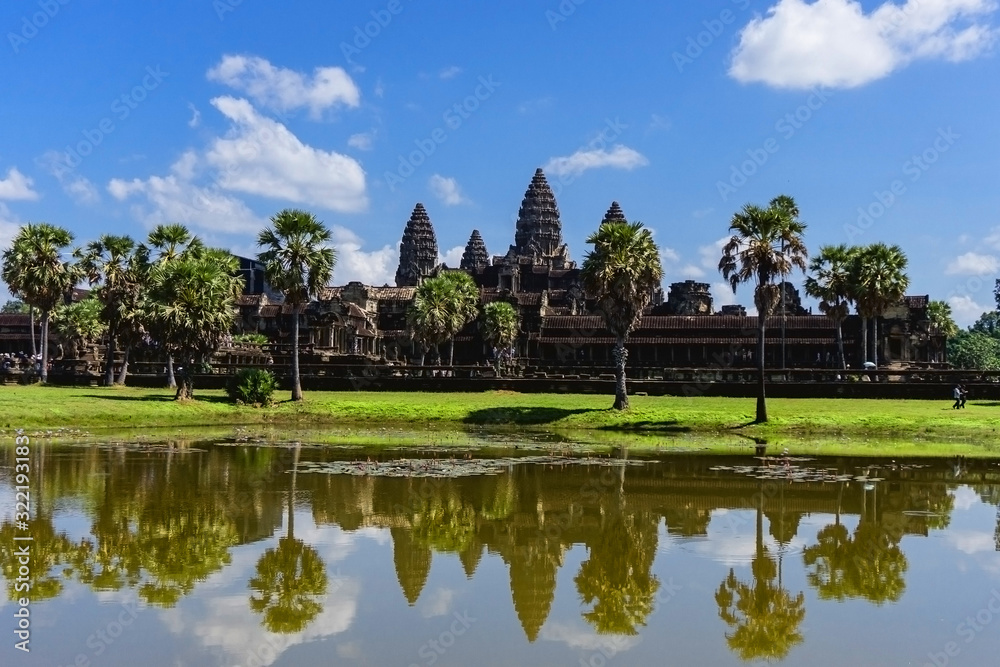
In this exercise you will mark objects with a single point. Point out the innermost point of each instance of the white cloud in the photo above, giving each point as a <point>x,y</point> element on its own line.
<point>376,267</point>
<point>669,255</point>
<point>453,257</point>
<point>9,225</point>
<point>82,190</point>
<point>658,122</point>
<point>450,72</point>
<point>262,157</point>
<point>972,542</point>
<point>176,198</point>
<point>619,157</point>
<point>17,186</point>
<point>691,271</point>
<point>723,295</point>
<point>282,90</point>
<point>447,190</point>
<point>972,264</point>
<point>586,639</point>
<point>834,43</point>
<point>437,603</point>
<point>712,253</point>
<point>362,141</point>
<point>195,115</point>
<point>965,310</point>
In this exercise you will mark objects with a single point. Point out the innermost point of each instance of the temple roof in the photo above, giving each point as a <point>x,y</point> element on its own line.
<point>418,251</point>
<point>614,214</point>
<point>539,229</point>
<point>475,255</point>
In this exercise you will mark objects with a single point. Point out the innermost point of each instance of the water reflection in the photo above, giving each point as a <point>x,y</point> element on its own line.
<point>161,521</point>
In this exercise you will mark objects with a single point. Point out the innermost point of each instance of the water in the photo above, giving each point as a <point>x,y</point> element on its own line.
<point>217,554</point>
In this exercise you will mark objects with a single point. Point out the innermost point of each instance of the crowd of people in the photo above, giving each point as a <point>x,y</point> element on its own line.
<point>10,361</point>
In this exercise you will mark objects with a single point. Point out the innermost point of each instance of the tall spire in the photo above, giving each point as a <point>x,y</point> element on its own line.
<point>614,214</point>
<point>418,251</point>
<point>475,255</point>
<point>539,231</point>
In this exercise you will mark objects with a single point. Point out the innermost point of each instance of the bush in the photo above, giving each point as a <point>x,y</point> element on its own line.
<point>252,386</point>
<point>251,339</point>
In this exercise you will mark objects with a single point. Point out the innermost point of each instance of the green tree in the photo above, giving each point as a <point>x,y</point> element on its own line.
<point>974,349</point>
<point>15,306</point>
<point>766,244</point>
<point>442,306</point>
<point>499,324</point>
<point>166,243</point>
<point>831,284</point>
<point>298,261</point>
<point>109,262</point>
<point>880,280</point>
<point>79,324</point>
<point>35,272</point>
<point>621,272</point>
<point>988,323</point>
<point>192,302</point>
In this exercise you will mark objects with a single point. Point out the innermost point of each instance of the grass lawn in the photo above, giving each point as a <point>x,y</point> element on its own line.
<point>39,407</point>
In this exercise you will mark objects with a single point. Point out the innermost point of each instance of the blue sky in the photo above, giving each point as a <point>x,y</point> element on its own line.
<point>879,119</point>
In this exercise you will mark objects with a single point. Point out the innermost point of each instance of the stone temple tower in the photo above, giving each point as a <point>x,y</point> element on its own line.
<point>418,251</point>
<point>475,256</point>
<point>538,235</point>
<point>614,214</point>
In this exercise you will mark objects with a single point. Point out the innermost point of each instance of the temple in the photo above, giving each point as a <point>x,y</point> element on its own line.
<point>559,326</point>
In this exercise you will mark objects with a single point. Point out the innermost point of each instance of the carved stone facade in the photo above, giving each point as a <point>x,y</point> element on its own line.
<point>418,251</point>
<point>689,298</point>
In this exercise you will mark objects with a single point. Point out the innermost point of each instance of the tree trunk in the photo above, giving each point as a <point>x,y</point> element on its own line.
<point>124,370</point>
<point>864,342</point>
<point>296,382</point>
<point>45,347</point>
<point>109,360</point>
<point>841,359</point>
<point>875,340</point>
<point>621,357</point>
<point>31,316</point>
<point>451,352</point>
<point>185,381</point>
<point>171,380</point>
<point>761,392</point>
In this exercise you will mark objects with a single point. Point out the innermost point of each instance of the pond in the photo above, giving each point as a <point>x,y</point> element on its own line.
<point>231,553</point>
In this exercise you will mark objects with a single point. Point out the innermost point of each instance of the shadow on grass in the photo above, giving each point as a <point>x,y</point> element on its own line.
<point>163,398</point>
<point>527,416</point>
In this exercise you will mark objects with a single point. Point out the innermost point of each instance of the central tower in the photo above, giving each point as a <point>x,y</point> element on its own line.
<point>538,235</point>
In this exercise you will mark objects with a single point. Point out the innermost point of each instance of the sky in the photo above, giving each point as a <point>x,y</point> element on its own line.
<point>880,119</point>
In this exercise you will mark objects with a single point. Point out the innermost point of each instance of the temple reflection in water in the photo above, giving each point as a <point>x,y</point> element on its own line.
<point>161,521</point>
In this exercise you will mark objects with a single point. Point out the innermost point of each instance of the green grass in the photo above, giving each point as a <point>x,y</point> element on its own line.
<point>98,407</point>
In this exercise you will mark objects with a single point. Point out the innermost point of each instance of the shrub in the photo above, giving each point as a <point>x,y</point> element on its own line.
<point>251,339</point>
<point>252,386</point>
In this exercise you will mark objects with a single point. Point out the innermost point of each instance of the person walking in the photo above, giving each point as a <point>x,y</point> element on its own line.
<point>957,395</point>
<point>965,396</point>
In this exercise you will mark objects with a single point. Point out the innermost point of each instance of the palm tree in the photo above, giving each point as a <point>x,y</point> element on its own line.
<point>766,243</point>
<point>298,261</point>
<point>35,272</point>
<point>80,323</point>
<point>500,326</point>
<point>940,315</point>
<point>109,261</point>
<point>441,307</point>
<point>192,304</point>
<point>880,280</point>
<point>831,284</point>
<point>622,272</point>
<point>167,243</point>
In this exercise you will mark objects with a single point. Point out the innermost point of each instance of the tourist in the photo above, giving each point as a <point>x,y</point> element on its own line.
<point>965,396</point>
<point>957,395</point>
